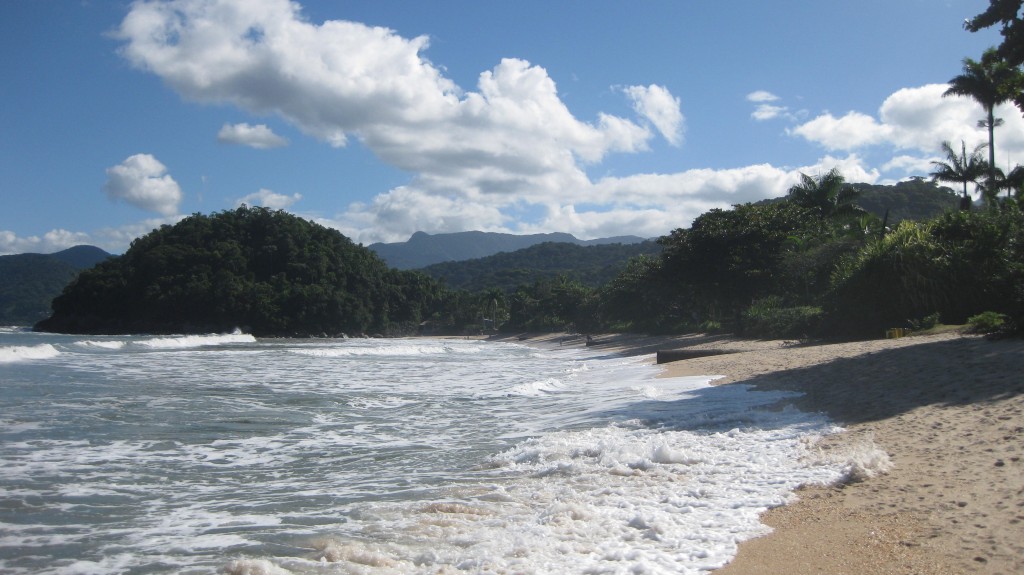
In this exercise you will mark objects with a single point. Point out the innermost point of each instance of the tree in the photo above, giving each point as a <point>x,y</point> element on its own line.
<point>827,194</point>
<point>961,168</point>
<point>1014,181</point>
<point>1011,50</point>
<point>989,82</point>
<point>731,257</point>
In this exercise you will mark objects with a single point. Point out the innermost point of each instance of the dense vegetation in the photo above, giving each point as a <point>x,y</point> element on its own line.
<point>422,249</point>
<point>29,282</point>
<point>592,266</point>
<point>914,199</point>
<point>829,259</point>
<point>265,271</point>
<point>813,264</point>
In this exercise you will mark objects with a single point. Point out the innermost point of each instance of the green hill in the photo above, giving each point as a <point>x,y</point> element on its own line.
<point>424,249</point>
<point>914,199</point>
<point>592,265</point>
<point>29,282</point>
<point>267,272</point>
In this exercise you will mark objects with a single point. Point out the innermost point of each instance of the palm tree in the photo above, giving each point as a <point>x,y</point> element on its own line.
<point>828,194</point>
<point>961,168</point>
<point>989,82</point>
<point>1013,181</point>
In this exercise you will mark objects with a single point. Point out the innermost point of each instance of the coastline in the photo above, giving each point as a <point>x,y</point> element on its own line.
<point>947,409</point>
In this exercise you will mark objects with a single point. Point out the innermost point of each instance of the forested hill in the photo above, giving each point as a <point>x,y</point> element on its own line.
<point>265,271</point>
<point>914,199</point>
<point>28,282</point>
<point>592,266</point>
<point>424,249</point>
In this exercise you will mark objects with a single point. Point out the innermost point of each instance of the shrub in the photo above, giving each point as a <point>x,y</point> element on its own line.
<point>926,322</point>
<point>710,326</point>
<point>987,322</point>
<point>895,278</point>
<point>768,319</point>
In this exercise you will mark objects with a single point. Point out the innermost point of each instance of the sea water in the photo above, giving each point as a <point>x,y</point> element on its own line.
<point>231,454</point>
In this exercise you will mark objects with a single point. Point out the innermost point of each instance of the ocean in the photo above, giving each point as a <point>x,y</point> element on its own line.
<point>231,454</point>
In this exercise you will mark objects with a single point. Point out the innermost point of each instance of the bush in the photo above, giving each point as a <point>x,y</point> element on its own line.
<point>925,323</point>
<point>768,319</point>
<point>898,277</point>
<point>710,326</point>
<point>987,322</point>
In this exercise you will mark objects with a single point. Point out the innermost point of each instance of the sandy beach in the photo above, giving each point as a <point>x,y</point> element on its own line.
<point>938,421</point>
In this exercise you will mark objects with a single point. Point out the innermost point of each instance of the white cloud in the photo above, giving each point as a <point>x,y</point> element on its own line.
<point>909,165</point>
<point>51,241</point>
<point>258,136</point>
<point>765,109</point>
<point>849,132</point>
<point>512,140</point>
<point>761,96</point>
<point>142,181</point>
<point>269,199</point>
<point>915,119</point>
<point>661,108</point>
<point>766,112</point>
<point>481,157</point>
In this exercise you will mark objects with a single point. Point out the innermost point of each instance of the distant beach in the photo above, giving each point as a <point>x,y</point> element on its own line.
<point>940,420</point>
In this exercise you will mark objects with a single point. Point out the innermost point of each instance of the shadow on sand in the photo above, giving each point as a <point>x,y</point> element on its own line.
<point>890,382</point>
<point>870,387</point>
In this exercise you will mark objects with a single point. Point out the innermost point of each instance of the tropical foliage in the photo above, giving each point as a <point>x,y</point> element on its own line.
<point>990,82</point>
<point>961,168</point>
<point>265,271</point>
<point>592,265</point>
<point>1007,14</point>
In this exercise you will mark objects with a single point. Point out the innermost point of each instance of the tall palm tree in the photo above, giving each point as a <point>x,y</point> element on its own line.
<point>828,194</point>
<point>961,168</point>
<point>989,82</point>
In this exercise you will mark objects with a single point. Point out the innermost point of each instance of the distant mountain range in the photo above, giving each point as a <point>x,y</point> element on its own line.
<point>29,282</point>
<point>424,249</point>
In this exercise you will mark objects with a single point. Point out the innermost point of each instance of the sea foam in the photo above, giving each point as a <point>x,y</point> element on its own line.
<point>187,341</point>
<point>27,352</point>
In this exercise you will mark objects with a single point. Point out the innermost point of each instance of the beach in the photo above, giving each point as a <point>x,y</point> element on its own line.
<point>939,420</point>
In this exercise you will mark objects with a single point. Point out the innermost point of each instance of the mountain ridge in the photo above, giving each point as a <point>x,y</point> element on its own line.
<point>423,249</point>
<point>30,281</point>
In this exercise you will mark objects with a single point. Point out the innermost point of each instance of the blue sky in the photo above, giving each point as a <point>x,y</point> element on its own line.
<point>383,118</point>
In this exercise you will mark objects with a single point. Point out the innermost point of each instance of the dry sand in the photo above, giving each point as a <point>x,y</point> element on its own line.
<point>948,410</point>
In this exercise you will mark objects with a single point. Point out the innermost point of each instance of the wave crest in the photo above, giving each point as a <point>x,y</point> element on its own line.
<point>27,352</point>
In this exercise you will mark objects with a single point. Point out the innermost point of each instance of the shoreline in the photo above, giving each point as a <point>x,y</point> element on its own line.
<point>947,409</point>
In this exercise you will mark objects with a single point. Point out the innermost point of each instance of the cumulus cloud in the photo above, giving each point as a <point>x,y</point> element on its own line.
<point>269,199</point>
<point>661,108</point>
<point>258,136</point>
<point>851,131</point>
<point>509,140</point>
<point>142,181</point>
<point>51,241</point>
<point>915,120</point>
<point>479,157</point>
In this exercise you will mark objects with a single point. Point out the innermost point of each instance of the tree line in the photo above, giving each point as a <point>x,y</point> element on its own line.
<point>815,263</point>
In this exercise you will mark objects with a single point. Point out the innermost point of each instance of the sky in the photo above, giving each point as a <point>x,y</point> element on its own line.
<point>382,118</point>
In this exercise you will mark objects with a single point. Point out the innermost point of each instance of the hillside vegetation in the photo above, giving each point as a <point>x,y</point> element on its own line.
<point>592,266</point>
<point>814,263</point>
<point>29,282</point>
<point>424,249</point>
<point>264,271</point>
